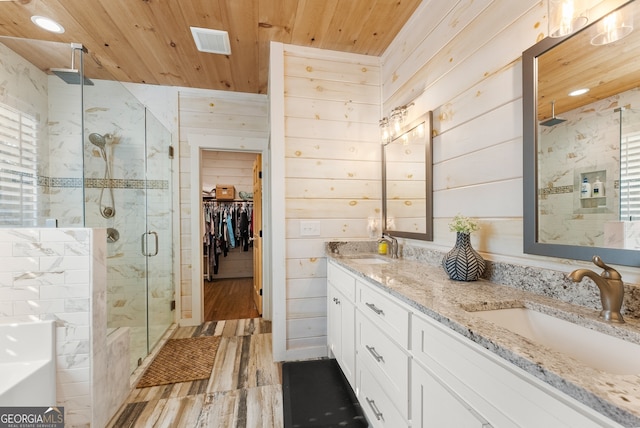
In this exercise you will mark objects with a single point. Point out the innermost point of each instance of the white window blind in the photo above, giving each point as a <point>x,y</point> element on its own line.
<point>630,177</point>
<point>18,168</point>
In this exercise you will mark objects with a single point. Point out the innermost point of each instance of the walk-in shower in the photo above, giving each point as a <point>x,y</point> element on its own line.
<point>63,125</point>
<point>101,141</point>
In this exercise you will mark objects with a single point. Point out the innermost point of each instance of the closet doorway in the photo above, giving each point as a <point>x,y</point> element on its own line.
<point>231,231</point>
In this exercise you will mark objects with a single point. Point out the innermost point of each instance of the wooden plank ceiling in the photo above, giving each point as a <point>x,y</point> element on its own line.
<point>149,41</point>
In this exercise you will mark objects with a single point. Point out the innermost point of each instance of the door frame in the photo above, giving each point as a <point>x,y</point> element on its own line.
<point>200,143</point>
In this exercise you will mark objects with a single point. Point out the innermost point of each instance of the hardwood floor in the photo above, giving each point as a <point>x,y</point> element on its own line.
<point>229,299</point>
<point>243,391</point>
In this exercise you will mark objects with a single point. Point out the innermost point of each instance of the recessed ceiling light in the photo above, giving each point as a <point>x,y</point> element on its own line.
<point>578,92</point>
<point>47,24</point>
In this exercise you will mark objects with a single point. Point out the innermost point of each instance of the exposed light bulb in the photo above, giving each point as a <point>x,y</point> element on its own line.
<point>612,28</point>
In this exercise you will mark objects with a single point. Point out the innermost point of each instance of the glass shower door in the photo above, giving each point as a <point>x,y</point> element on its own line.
<point>157,240</point>
<point>128,191</point>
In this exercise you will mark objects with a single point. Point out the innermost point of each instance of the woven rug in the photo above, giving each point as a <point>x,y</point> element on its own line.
<point>181,360</point>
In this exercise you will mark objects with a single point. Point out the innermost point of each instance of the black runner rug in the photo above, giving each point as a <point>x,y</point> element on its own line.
<point>316,394</point>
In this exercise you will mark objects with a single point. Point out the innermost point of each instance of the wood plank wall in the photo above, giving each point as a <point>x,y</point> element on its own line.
<point>462,60</point>
<point>213,113</point>
<point>332,173</point>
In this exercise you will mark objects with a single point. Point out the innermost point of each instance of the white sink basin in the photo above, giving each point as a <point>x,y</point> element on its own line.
<point>598,350</point>
<point>370,260</point>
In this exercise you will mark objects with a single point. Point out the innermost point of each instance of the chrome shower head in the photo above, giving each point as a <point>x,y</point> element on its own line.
<point>554,120</point>
<point>71,75</point>
<point>97,140</point>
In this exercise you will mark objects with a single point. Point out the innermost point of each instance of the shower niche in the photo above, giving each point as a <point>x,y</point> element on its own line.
<point>594,200</point>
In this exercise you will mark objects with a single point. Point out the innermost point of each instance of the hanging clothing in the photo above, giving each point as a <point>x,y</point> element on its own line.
<point>225,225</point>
<point>244,230</point>
<point>232,241</point>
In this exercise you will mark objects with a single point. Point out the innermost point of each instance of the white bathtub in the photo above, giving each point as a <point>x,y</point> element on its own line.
<point>27,364</point>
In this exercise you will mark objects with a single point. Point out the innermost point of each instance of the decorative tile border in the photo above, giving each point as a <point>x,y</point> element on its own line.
<point>64,182</point>
<point>546,191</point>
<point>99,183</point>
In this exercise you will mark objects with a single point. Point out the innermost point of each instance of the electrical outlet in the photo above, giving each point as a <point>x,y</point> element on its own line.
<point>309,228</point>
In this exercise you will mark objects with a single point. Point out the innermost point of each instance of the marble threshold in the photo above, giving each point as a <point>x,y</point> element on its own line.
<point>427,288</point>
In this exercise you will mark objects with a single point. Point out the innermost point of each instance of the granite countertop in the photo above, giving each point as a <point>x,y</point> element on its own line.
<point>429,290</point>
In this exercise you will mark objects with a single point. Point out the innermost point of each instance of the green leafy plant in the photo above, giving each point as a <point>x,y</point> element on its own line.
<point>463,224</point>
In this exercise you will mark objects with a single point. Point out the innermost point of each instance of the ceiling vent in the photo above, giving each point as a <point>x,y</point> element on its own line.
<point>212,41</point>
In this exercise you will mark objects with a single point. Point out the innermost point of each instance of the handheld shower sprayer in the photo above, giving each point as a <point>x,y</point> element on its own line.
<point>101,141</point>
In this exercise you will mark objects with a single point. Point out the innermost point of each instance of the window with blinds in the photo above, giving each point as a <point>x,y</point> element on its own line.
<point>630,177</point>
<point>18,168</point>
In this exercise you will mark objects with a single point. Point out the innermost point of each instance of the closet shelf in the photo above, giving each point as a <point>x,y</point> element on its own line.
<point>213,199</point>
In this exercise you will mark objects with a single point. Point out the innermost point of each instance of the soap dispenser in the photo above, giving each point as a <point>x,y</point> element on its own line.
<point>598,188</point>
<point>585,189</point>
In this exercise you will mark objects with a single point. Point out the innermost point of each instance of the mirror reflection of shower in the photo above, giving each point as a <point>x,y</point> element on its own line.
<point>101,141</point>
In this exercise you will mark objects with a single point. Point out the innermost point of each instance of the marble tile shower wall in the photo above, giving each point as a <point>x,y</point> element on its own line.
<point>588,144</point>
<point>24,88</point>
<point>59,274</point>
<point>64,181</point>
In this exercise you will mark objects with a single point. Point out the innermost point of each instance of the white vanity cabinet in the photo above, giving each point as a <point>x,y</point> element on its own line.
<point>413,371</point>
<point>341,290</point>
<point>382,335</point>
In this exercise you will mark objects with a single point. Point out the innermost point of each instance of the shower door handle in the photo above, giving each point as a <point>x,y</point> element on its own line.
<point>155,236</point>
<point>143,242</point>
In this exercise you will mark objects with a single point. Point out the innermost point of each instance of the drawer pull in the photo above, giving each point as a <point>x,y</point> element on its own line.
<point>336,300</point>
<point>377,413</point>
<point>375,354</point>
<point>375,309</point>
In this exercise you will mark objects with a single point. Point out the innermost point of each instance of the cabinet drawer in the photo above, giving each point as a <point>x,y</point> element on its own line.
<point>380,411</point>
<point>342,280</point>
<point>386,360</point>
<point>389,316</point>
<point>438,405</point>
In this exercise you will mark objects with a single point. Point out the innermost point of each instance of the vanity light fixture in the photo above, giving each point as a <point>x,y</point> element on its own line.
<point>47,24</point>
<point>566,17</point>
<point>613,27</point>
<point>577,92</point>
<point>385,132</point>
<point>391,126</point>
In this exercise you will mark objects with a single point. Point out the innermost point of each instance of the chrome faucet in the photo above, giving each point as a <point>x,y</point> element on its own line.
<point>394,244</point>
<point>611,288</point>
